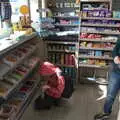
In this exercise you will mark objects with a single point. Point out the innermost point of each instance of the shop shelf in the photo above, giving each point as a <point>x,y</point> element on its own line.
<point>18,83</point>
<point>97,40</point>
<point>26,102</point>
<point>5,68</point>
<point>96,57</point>
<point>67,25</point>
<point>61,42</point>
<point>65,51</point>
<point>73,17</point>
<point>100,18</point>
<point>103,49</point>
<point>101,25</point>
<point>104,32</point>
<point>93,66</point>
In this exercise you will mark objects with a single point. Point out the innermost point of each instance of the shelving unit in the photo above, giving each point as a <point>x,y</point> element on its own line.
<point>74,17</point>
<point>6,69</point>
<point>101,25</point>
<point>90,48</point>
<point>64,51</point>
<point>60,42</point>
<point>61,50</point>
<point>26,103</point>
<point>99,18</point>
<point>98,36</point>
<point>96,57</point>
<point>17,86</point>
<point>95,42</point>
<point>67,25</point>
<point>62,54</point>
<point>106,33</point>
<point>93,66</point>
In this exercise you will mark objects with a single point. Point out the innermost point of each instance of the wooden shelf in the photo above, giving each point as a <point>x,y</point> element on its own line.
<point>93,66</point>
<point>100,25</point>
<point>97,40</point>
<point>104,49</point>
<point>61,42</point>
<point>99,18</point>
<point>104,32</point>
<point>96,57</point>
<point>65,51</point>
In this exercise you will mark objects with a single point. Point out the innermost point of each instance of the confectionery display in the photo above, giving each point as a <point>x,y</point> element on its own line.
<point>83,38</point>
<point>98,36</point>
<point>100,13</point>
<point>16,65</point>
<point>68,22</point>
<point>18,59</point>
<point>63,59</point>
<point>14,78</point>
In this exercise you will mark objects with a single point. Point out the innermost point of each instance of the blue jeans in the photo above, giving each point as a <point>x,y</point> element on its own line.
<point>113,89</point>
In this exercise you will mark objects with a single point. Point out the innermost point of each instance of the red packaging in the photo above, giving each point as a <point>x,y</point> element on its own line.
<point>66,59</point>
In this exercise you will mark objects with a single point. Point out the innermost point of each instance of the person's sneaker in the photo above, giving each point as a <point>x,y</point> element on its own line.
<point>102,116</point>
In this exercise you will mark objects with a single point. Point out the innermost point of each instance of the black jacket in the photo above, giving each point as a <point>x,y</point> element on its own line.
<point>116,52</point>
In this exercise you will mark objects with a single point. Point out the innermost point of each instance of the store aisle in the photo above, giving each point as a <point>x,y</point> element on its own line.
<point>82,106</point>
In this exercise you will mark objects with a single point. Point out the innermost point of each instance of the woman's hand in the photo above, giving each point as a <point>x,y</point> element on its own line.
<point>45,87</point>
<point>117,60</point>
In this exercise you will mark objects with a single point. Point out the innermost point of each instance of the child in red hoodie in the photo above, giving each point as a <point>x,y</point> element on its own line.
<point>53,88</point>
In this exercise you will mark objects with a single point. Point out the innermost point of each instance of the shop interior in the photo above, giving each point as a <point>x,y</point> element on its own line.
<point>78,36</point>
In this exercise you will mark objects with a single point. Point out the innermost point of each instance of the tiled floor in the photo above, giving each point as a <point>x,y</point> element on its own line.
<point>82,106</point>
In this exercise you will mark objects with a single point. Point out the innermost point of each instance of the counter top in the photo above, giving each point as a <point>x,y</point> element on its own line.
<point>7,44</point>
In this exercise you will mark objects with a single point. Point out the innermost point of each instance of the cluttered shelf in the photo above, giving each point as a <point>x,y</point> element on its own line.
<point>74,17</point>
<point>101,25</point>
<point>93,66</point>
<point>102,32</point>
<point>100,18</point>
<point>97,40</point>
<point>17,83</point>
<point>90,48</point>
<point>96,57</point>
<point>26,102</point>
<point>10,62</point>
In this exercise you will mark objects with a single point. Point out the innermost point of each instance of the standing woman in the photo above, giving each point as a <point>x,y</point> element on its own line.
<point>113,85</point>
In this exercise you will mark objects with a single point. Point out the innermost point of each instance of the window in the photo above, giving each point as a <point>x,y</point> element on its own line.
<point>9,13</point>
